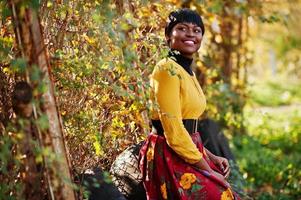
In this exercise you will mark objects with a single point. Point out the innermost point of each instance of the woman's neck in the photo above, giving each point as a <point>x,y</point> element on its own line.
<point>182,60</point>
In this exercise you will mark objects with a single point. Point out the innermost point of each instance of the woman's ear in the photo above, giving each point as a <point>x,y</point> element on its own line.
<point>167,38</point>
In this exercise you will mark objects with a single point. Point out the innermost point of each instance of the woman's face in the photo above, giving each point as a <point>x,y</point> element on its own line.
<point>186,38</point>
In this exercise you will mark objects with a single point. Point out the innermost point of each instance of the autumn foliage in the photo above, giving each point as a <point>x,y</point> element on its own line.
<point>101,54</point>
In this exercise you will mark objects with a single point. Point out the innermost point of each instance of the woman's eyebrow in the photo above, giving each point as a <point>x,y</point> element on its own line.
<point>184,24</point>
<point>187,24</point>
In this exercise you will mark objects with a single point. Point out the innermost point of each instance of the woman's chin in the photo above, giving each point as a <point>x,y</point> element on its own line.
<point>188,52</point>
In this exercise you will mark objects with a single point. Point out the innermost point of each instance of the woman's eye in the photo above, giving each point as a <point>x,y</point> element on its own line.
<point>197,31</point>
<point>181,28</point>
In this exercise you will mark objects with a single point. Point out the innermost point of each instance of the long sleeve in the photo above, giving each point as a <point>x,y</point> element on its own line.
<point>166,86</point>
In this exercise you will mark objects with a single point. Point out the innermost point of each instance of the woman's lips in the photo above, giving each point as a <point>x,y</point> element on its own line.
<point>189,42</point>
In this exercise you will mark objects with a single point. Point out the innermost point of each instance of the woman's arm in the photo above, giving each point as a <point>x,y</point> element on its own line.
<point>166,83</point>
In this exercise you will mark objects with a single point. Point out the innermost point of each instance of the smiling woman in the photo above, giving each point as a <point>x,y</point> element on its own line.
<point>186,38</point>
<point>173,162</point>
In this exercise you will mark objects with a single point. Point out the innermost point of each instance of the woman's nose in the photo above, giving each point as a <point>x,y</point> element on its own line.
<point>189,33</point>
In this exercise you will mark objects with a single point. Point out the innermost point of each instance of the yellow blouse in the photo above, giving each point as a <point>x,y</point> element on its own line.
<point>178,96</point>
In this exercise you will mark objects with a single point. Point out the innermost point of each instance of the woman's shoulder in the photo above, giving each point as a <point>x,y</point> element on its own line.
<point>166,69</point>
<point>167,64</point>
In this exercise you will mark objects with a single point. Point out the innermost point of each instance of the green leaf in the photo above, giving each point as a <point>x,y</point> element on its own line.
<point>43,122</point>
<point>42,88</point>
<point>196,187</point>
<point>35,4</point>
<point>5,13</point>
<point>106,177</point>
<point>19,65</point>
<point>35,73</point>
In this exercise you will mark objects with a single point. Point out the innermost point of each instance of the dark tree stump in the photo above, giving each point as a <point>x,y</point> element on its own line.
<point>97,187</point>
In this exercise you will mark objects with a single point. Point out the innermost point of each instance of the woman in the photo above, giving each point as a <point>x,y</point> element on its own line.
<point>174,163</point>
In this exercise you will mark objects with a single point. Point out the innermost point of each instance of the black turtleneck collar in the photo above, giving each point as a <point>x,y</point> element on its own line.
<point>181,60</point>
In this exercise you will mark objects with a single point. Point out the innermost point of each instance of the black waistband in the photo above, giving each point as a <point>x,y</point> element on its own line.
<point>191,126</point>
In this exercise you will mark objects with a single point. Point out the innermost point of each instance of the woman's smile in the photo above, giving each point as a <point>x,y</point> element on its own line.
<point>186,38</point>
<point>189,42</point>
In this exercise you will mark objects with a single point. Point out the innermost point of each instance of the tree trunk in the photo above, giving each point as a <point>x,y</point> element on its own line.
<point>33,50</point>
<point>226,29</point>
<point>227,51</point>
<point>5,106</point>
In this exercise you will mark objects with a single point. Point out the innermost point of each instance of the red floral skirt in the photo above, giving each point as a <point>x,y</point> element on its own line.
<point>167,176</point>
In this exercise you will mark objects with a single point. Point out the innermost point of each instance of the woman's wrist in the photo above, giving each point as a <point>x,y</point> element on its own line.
<point>213,158</point>
<point>210,155</point>
<point>203,165</point>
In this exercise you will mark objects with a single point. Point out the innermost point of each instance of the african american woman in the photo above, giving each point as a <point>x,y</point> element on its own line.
<point>173,161</point>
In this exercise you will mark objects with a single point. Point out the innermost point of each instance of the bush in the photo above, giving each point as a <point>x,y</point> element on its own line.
<point>269,155</point>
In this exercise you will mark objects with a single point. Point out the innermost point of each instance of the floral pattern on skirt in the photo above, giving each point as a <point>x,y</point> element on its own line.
<point>167,176</point>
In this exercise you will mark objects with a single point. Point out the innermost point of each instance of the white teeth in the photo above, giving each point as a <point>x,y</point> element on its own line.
<point>188,42</point>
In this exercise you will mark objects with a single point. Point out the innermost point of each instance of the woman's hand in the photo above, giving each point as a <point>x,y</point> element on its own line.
<point>222,163</point>
<point>203,165</point>
<point>221,178</point>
